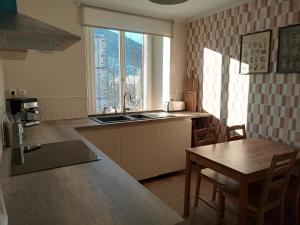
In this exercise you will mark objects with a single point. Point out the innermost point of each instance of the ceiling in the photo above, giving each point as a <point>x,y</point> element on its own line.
<point>184,11</point>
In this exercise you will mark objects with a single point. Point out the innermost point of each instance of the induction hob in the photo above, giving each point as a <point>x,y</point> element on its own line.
<point>36,158</point>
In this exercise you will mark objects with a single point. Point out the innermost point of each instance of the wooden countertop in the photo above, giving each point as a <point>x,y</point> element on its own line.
<point>96,193</point>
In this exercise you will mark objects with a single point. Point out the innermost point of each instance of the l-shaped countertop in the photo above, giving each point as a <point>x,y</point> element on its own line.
<point>96,193</point>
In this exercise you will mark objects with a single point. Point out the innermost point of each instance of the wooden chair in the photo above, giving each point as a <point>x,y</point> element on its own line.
<point>266,195</point>
<point>203,137</point>
<point>293,196</point>
<point>235,136</point>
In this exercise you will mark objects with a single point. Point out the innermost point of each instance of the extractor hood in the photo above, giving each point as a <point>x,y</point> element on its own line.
<point>19,32</point>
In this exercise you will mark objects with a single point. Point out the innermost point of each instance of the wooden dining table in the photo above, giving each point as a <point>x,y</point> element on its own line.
<point>245,161</point>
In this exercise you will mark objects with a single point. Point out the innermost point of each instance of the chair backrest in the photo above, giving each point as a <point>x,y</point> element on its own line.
<point>277,179</point>
<point>205,136</point>
<point>233,130</point>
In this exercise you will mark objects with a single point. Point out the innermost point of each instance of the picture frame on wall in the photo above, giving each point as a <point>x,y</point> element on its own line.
<point>288,55</point>
<point>255,52</point>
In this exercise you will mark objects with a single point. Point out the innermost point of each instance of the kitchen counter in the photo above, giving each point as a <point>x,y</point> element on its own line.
<point>92,193</point>
<point>96,193</point>
<point>165,116</point>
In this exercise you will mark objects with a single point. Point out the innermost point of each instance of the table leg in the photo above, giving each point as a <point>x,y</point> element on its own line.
<point>187,191</point>
<point>243,200</point>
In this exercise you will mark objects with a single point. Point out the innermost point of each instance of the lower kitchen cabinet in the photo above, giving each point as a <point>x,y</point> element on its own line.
<point>108,140</point>
<point>140,146</point>
<point>148,149</point>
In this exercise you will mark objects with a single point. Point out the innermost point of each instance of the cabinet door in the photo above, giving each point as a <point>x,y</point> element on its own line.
<point>107,140</point>
<point>175,137</point>
<point>139,150</point>
<point>154,149</point>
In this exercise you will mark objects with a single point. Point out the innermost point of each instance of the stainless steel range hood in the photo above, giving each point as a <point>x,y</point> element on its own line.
<point>19,32</point>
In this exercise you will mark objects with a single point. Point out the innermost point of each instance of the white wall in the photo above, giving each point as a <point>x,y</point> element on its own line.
<point>56,78</point>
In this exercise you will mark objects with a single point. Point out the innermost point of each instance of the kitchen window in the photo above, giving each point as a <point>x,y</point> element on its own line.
<point>119,67</point>
<point>122,61</point>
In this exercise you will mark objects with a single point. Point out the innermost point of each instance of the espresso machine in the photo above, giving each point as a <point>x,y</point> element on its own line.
<point>26,109</point>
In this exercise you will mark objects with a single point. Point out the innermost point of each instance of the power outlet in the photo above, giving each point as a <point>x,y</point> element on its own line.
<point>22,92</point>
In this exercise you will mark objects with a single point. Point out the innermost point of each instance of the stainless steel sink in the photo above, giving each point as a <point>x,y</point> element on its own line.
<point>130,117</point>
<point>139,116</point>
<point>112,119</point>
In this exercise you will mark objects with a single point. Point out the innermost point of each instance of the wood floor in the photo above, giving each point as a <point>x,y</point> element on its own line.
<point>170,189</point>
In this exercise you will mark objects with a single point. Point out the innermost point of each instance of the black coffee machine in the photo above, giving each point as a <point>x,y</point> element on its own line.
<point>26,109</point>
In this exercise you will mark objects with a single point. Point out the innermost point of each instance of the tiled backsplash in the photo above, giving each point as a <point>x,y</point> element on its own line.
<point>63,108</point>
<point>274,99</point>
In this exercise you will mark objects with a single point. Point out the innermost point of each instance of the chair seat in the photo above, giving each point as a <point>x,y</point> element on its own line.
<point>216,178</point>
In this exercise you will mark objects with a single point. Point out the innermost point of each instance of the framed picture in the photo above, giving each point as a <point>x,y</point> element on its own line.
<point>255,52</point>
<point>288,58</point>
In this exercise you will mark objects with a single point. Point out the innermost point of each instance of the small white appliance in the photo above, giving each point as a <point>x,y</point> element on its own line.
<point>174,106</point>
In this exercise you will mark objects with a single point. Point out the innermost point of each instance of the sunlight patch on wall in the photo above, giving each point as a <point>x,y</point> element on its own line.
<point>212,81</point>
<point>238,90</point>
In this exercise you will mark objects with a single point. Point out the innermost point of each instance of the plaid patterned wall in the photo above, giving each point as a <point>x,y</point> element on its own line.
<point>273,99</point>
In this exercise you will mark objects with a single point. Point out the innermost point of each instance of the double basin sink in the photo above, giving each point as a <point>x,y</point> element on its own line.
<point>130,118</point>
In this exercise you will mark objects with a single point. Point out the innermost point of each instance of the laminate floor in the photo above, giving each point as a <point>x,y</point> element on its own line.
<point>170,189</point>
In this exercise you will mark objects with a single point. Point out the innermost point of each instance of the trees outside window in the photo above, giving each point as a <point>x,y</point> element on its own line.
<point>119,66</point>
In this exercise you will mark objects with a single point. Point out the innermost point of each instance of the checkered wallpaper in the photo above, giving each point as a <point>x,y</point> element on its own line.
<point>273,109</point>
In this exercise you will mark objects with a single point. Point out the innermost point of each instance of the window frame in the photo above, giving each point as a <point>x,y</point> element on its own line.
<point>91,74</point>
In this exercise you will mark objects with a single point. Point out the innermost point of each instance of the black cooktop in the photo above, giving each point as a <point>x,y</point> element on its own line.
<point>35,158</point>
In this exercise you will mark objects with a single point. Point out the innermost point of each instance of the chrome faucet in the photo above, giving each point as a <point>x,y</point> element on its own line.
<point>124,102</point>
<point>105,108</point>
